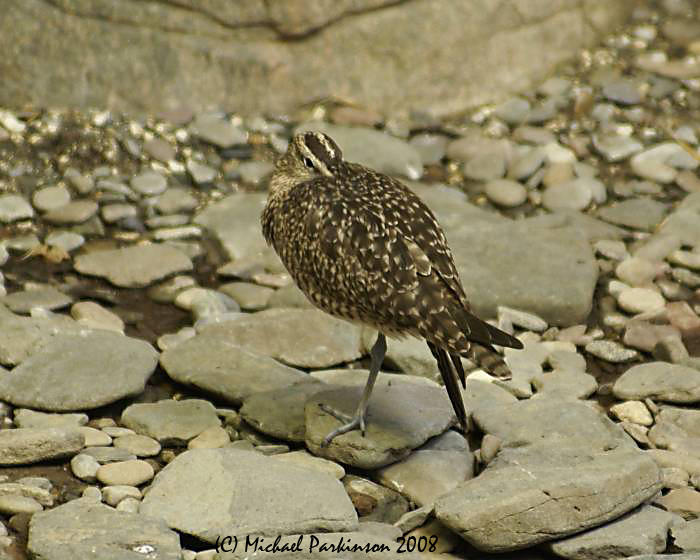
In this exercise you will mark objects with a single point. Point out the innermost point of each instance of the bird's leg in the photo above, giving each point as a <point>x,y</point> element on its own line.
<point>358,420</point>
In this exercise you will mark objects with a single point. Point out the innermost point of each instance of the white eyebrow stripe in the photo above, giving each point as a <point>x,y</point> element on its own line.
<point>318,164</point>
<point>322,139</point>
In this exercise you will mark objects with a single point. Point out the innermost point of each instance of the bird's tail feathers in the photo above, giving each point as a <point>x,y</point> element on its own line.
<point>489,360</point>
<point>483,333</point>
<point>452,372</point>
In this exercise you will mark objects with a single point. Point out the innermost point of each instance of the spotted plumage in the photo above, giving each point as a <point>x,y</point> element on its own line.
<point>365,248</point>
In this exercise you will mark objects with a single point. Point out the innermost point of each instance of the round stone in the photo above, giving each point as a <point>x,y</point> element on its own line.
<point>94,316</point>
<point>75,212</point>
<point>636,271</point>
<point>250,297</point>
<point>200,172</point>
<point>114,212</point>
<point>50,197</point>
<point>176,200</point>
<point>573,195</point>
<point>167,291</point>
<point>513,111</point>
<point>159,149</point>
<point>640,300</point>
<point>490,445</point>
<point>81,183</point>
<point>149,183</point>
<point>11,504</point>
<point>506,193</point>
<point>13,207</point>
<point>94,436</point>
<point>139,445</point>
<point>611,351</point>
<point>117,431</point>
<point>131,505</point>
<point>125,473</point>
<point>625,91</point>
<point>84,467</point>
<point>616,148</point>
<point>92,493</point>
<point>685,258</point>
<point>211,438</point>
<point>112,495</point>
<point>66,240</point>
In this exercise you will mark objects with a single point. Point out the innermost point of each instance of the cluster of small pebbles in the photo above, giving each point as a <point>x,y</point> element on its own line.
<point>154,348</point>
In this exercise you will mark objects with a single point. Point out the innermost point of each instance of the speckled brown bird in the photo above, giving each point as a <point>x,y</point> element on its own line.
<point>364,248</point>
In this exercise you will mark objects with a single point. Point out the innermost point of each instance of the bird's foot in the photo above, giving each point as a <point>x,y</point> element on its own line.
<point>351,423</point>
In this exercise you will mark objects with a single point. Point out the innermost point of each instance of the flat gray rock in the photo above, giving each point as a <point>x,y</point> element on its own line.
<point>687,536</point>
<point>591,228</point>
<point>374,502</point>
<point>565,384</point>
<point>539,492</point>
<point>13,207</point>
<point>528,422</point>
<point>677,429</point>
<point>51,197</point>
<point>642,531</point>
<point>452,207</point>
<point>171,422</point>
<point>217,130</point>
<point>220,365</point>
<point>481,395</point>
<point>372,148</point>
<point>210,492</point>
<point>659,380</point>
<point>90,530</point>
<point>571,195</point>
<point>134,267</point>
<point>26,418</point>
<point>24,446</point>
<point>558,263</point>
<point>104,367</point>
<point>637,213</point>
<point>176,200</point>
<point>428,473</point>
<point>149,183</point>
<point>104,454</point>
<point>235,223</point>
<point>297,337</point>
<point>401,416</point>
<point>75,212</point>
<point>684,221</point>
<point>280,413</point>
<point>46,298</point>
<point>22,336</point>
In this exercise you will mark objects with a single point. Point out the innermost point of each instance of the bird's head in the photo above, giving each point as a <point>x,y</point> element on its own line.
<point>309,155</point>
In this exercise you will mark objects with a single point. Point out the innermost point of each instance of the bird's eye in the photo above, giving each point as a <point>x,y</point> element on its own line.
<point>308,163</point>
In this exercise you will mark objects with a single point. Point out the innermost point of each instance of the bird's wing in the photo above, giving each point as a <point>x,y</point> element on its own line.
<point>397,256</point>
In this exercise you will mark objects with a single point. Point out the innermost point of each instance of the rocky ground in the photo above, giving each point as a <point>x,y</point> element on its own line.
<point>162,375</point>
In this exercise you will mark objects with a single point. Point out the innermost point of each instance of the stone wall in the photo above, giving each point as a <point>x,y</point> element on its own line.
<point>442,56</point>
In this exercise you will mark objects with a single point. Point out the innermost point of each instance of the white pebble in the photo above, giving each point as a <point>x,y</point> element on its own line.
<point>640,300</point>
<point>632,411</point>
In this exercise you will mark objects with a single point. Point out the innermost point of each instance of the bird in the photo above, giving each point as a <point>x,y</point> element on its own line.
<point>363,247</point>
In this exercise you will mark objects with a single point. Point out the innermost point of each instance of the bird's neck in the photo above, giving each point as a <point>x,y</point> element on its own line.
<point>280,186</point>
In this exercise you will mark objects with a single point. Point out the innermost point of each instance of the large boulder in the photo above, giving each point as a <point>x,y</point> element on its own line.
<point>258,56</point>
